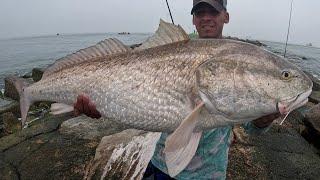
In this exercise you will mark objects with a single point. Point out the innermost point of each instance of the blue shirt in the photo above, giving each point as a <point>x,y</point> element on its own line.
<point>211,158</point>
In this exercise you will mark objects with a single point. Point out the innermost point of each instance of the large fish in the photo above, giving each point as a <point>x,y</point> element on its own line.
<point>173,84</point>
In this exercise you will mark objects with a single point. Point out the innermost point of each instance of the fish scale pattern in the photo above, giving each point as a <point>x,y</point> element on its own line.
<point>150,89</point>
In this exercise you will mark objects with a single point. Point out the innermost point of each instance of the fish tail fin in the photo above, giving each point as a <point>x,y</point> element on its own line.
<point>25,101</point>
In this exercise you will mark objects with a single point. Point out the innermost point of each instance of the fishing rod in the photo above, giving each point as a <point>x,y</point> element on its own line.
<point>285,49</point>
<point>169,11</point>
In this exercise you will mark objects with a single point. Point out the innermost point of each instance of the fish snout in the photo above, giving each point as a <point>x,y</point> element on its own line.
<point>283,108</point>
<point>291,104</point>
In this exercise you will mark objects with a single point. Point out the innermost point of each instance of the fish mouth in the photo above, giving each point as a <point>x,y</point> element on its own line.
<point>291,104</point>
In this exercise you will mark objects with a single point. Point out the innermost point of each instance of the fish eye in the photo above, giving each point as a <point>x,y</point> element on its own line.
<point>286,75</point>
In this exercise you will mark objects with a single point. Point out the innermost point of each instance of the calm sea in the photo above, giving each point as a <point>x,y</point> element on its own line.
<point>18,56</point>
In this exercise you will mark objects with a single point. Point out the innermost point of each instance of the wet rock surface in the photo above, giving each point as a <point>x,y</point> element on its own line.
<point>8,109</point>
<point>315,97</point>
<point>78,149</point>
<point>9,105</point>
<point>313,117</point>
<point>88,128</point>
<point>124,155</point>
<point>37,74</point>
<point>281,153</point>
<point>40,152</point>
<point>316,82</point>
<point>11,124</point>
<point>10,90</point>
<point>312,131</point>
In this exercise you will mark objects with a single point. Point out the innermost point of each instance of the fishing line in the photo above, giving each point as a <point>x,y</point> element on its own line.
<point>285,49</point>
<point>169,11</point>
<point>285,118</point>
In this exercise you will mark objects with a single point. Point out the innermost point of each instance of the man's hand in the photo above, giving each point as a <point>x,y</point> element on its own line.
<point>265,121</point>
<point>85,106</point>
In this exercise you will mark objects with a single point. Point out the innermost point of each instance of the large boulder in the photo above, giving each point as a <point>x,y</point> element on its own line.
<point>281,153</point>
<point>316,81</point>
<point>313,117</point>
<point>87,128</point>
<point>315,97</point>
<point>76,151</point>
<point>11,124</point>
<point>312,121</point>
<point>9,105</point>
<point>37,74</point>
<point>121,154</point>
<point>39,152</point>
<point>124,155</point>
<point>10,90</point>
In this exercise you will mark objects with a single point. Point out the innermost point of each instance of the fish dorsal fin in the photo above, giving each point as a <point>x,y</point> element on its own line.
<point>104,48</point>
<point>182,144</point>
<point>167,33</point>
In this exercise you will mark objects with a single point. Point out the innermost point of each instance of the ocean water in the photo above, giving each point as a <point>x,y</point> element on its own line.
<point>306,57</point>
<point>20,55</point>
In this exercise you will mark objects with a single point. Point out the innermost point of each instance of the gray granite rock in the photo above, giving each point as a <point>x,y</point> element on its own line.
<point>315,97</point>
<point>316,81</point>
<point>47,155</point>
<point>10,90</point>
<point>9,105</point>
<point>124,155</point>
<point>280,153</point>
<point>42,152</point>
<point>37,74</point>
<point>313,117</point>
<point>11,124</point>
<point>87,128</point>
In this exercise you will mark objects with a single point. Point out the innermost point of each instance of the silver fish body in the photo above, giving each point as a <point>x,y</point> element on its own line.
<point>155,89</point>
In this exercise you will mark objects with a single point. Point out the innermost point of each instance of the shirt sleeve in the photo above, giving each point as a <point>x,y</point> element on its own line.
<point>251,129</point>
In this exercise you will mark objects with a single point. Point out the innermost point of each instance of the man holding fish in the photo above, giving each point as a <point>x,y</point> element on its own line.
<point>192,90</point>
<point>211,158</point>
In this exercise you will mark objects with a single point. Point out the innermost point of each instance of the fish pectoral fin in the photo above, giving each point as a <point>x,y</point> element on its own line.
<point>60,108</point>
<point>182,144</point>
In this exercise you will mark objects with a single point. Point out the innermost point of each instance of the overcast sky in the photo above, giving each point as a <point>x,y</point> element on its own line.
<point>256,19</point>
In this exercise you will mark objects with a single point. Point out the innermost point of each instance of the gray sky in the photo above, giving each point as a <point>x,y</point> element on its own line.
<point>256,19</point>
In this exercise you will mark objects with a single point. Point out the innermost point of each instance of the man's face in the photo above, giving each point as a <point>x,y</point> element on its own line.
<point>209,22</point>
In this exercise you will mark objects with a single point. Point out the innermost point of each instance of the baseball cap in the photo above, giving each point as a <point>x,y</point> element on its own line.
<point>219,5</point>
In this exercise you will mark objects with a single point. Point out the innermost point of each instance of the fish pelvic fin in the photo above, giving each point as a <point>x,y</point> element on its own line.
<point>182,144</point>
<point>60,108</point>
<point>25,101</point>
